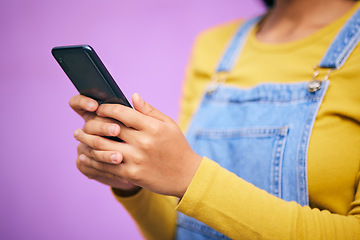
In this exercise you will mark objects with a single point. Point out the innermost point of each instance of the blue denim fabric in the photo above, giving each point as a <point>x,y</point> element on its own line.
<point>261,134</point>
<point>343,44</point>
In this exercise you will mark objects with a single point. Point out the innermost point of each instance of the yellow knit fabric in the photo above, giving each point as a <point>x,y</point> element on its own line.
<point>238,209</point>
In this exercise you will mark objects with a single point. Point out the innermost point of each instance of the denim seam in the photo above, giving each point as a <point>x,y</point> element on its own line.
<point>241,132</point>
<point>276,170</point>
<point>221,100</point>
<point>303,150</point>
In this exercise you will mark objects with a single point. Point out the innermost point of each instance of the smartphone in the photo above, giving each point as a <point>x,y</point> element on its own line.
<point>88,73</point>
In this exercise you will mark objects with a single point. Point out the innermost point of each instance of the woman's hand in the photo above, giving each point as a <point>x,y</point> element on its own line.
<point>154,155</point>
<point>86,108</point>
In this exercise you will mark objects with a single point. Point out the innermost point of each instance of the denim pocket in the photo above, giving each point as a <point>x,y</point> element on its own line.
<point>254,154</point>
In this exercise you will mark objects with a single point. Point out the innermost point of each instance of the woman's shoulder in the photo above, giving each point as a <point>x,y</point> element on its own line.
<point>219,32</point>
<point>210,45</point>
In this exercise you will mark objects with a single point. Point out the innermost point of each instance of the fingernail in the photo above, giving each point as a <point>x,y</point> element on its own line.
<point>115,158</point>
<point>76,133</point>
<point>82,158</point>
<point>140,99</point>
<point>91,105</point>
<point>113,129</point>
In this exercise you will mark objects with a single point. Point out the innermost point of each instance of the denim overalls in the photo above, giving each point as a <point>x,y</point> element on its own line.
<point>262,133</point>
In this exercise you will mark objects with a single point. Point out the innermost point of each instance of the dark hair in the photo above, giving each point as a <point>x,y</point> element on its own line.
<point>270,3</point>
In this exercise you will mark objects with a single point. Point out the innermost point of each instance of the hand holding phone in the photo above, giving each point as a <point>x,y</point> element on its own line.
<point>89,75</point>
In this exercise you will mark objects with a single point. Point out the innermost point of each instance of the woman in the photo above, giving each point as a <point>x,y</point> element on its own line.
<point>282,136</point>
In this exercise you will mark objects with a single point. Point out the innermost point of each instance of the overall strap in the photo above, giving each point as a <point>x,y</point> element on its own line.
<point>343,44</point>
<point>234,49</point>
<point>335,57</point>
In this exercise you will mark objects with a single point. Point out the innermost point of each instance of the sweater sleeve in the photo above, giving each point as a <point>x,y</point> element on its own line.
<point>242,211</point>
<point>154,214</point>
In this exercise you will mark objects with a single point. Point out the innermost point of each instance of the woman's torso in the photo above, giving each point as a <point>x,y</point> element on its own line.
<point>334,155</point>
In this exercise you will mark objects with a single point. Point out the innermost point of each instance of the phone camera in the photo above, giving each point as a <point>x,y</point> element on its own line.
<point>62,64</point>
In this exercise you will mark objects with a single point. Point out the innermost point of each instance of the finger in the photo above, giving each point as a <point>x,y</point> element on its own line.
<point>110,157</point>
<point>97,142</point>
<point>105,120</point>
<point>101,128</point>
<point>82,104</point>
<point>104,168</point>
<point>126,115</point>
<point>145,108</point>
<point>111,128</point>
<point>125,170</point>
<point>85,167</point>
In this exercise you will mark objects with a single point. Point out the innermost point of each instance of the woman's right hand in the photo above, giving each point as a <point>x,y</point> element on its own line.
<point>86,108</point>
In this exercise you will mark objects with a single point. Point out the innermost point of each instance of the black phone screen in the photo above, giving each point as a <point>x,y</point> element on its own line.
<point>88,74</point>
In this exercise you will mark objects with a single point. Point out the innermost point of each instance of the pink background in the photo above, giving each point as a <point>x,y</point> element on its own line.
<point>144,43</point>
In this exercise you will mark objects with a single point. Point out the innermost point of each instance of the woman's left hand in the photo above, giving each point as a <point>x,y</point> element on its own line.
<point>155,153</point>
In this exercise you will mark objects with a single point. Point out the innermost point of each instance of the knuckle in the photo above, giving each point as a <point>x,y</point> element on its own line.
<point>89,126</point>
<point>74,101</point>
<point>117,110</point>
<point>104,157</point>
<point>85,128</point>
<point>98,143</point>
<point>137,159</point>
<point>91,153</point>
<point>153,128</point>
<point>132,173</point>
<point>157,129</point>
<point>146,143</point>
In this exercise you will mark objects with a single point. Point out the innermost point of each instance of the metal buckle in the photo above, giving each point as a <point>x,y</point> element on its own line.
<point>217,79</point>
<point>315,84</point>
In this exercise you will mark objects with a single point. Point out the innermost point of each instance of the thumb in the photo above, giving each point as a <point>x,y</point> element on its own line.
<point>143,107</point>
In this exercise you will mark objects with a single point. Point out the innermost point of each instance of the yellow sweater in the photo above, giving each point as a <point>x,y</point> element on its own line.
<point>238,209</point>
